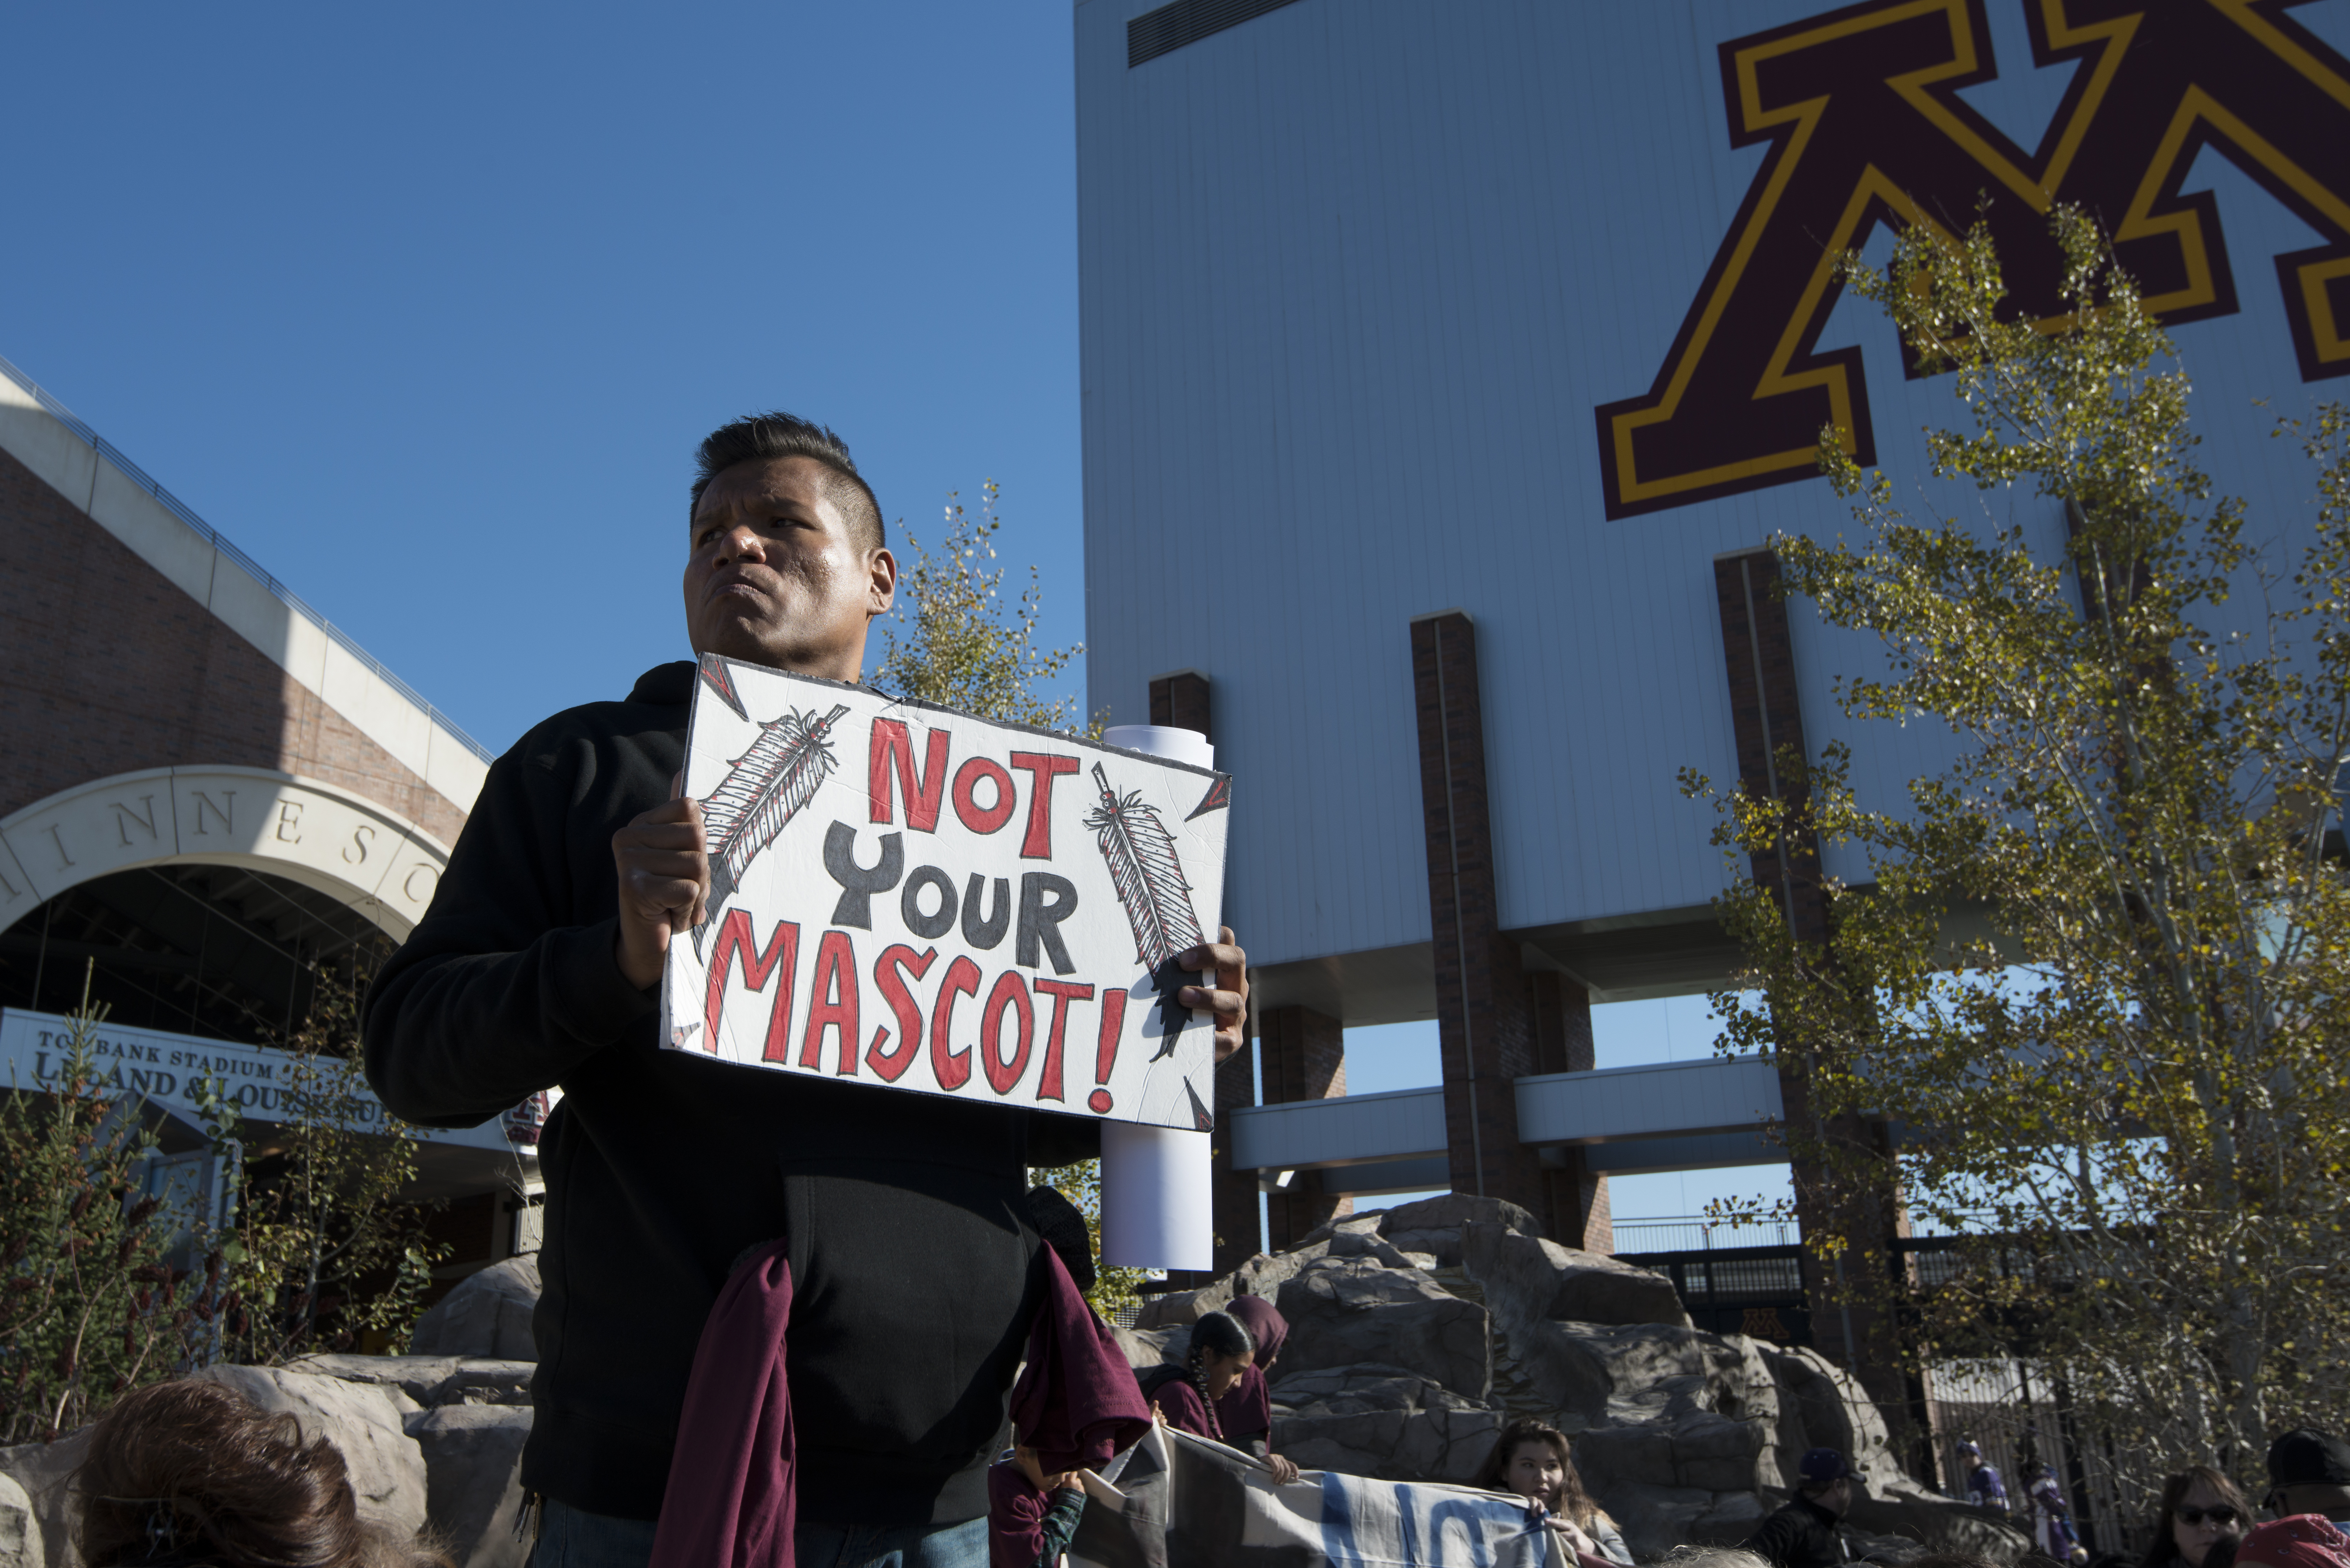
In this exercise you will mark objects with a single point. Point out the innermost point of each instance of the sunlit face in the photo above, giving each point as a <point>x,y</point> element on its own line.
<point>1222,1372</point>
<point>1535,1473</point>
<point>777,575</point>
<point>2195,1529</point>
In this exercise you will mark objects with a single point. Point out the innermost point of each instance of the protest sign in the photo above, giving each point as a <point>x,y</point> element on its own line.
<point>909,896</point>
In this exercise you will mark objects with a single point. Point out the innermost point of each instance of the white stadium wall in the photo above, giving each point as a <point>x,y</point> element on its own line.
<point>1359,277</point>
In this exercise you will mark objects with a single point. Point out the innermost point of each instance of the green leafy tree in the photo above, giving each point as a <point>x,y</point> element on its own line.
<point>326,1250</point>
<point>959,642</point>
<point>2099,969</point>
<point>91,1304</point>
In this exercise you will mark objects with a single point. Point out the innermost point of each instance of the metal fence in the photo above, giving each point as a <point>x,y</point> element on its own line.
<point>2016,1416</point>
<point>252,568</point>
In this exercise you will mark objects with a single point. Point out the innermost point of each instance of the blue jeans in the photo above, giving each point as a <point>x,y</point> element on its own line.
<point>569,1538</point>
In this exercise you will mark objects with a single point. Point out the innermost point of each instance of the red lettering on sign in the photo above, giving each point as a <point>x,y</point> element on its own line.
<point>892,769</point>
<point>888,973</point>
<point>1010,993</point>
<point>967,778</point>
<point>1038,844</point>
<point>832,1003</point>
<point>952,1068</point>
<point>1062,992</point>
<point>783,951</point>
<point>1113,1024</point>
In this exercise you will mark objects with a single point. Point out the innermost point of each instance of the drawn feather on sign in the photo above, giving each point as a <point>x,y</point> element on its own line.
<point>763,789</point>
<point>1148,875</point>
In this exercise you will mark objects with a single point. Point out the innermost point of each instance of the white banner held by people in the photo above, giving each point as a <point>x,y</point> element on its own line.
<point>909,896</point>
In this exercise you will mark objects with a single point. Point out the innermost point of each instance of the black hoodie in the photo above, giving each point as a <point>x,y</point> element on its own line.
<point>915,1269</point>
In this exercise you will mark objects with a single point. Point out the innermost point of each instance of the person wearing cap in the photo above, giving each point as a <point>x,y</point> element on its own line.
<point>1804,1533</point>
<point>2309,1472</point>
<point>1984,1488</point>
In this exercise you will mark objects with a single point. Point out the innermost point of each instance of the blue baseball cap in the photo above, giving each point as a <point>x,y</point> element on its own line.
<point>1822,1466</point>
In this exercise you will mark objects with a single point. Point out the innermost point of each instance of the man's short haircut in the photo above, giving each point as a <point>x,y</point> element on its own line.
<point>760,438</point>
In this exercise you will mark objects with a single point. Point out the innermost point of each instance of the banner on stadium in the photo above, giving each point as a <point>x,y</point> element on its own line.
<point>909,896</point>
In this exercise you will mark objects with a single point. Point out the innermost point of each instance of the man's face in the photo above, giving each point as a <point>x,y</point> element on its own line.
<point>777,578</point>
<point>1836,1497</point>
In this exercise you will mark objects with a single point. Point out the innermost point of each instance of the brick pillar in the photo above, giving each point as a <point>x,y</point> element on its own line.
<point>1304,1058</point>
<point>1484,1008</point>
<point>1766,713</point>
<point>1179,701</point>
<point>1578,1213</point>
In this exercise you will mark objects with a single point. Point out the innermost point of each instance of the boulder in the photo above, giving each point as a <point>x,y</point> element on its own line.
<point>1436,1225</point>
<point>472,1454</point>
<point>488,1314</point>
<point>20,1531</point>
<point>1345,1312</point>
<point>1527,1279</point>
<point>1148,1347</point>
<point>425,1382</point>
<point>1264,1274</point>
<point>1383,1421</point>
<point>387,1468</point>
<point>1903,1509</point>
<point>44,1472</point>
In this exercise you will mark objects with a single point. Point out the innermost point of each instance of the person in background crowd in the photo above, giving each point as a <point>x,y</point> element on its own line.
<point>1031,1515</point>
<point>1186,1396</point>
<point>190,1472</point>
<point>2052,1521</point>
<point>2200,1509</point>
<point>2309,1472</point>
<point>2296,1541</point>
<point>1246,1408</point>
<point>1531,1460</point>
<point>1984,1488</point>
<point>1804,1533</point>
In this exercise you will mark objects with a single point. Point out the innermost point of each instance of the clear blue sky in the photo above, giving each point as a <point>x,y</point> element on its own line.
<point>426,306</point>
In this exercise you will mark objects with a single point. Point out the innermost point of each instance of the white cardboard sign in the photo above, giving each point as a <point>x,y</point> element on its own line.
<point>909,896</point>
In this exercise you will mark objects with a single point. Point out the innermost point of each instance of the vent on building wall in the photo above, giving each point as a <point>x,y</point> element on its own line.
<point>1168,28</point>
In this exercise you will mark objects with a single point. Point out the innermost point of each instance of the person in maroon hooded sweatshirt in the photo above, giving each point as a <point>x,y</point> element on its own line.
<point>1246,1411</point>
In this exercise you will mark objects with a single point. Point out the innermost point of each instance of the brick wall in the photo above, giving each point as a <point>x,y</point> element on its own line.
<point>107,667</point>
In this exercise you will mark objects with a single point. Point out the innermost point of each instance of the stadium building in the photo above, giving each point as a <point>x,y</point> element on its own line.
<point>211,802</point>
<point>1469,357</point>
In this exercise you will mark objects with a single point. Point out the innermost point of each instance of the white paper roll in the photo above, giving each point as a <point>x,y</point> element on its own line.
<point>1158,1198</point>
<point>1158,1185</point>
<point>1163,741</point>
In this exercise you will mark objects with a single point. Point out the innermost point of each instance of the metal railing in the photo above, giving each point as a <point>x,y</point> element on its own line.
<point>285,596</point>
<point>1694,1232</point>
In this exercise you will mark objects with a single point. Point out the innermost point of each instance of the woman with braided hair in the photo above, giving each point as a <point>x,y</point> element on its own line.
<point>1185,1396</point>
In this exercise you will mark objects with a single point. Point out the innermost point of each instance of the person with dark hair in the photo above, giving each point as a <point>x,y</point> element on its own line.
<point>1062,1225</point>
<point>1532,1458</point>
<point>2200,1510</point>
<point>190,1472</point>
<point>539,964</point>
<point>1804,1532</point>
<point>1186,1396</point>
<point>2309,1472</point>
<point>1246,1408</point>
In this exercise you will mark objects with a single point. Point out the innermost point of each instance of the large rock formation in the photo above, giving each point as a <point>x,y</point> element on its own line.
<point>488,1314</point>
<point>1683,1436</point>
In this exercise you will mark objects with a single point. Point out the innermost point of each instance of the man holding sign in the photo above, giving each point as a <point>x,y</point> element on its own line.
<point>541,963</point>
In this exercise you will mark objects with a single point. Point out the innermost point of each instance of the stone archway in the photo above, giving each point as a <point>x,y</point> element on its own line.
<point>341,844</point>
